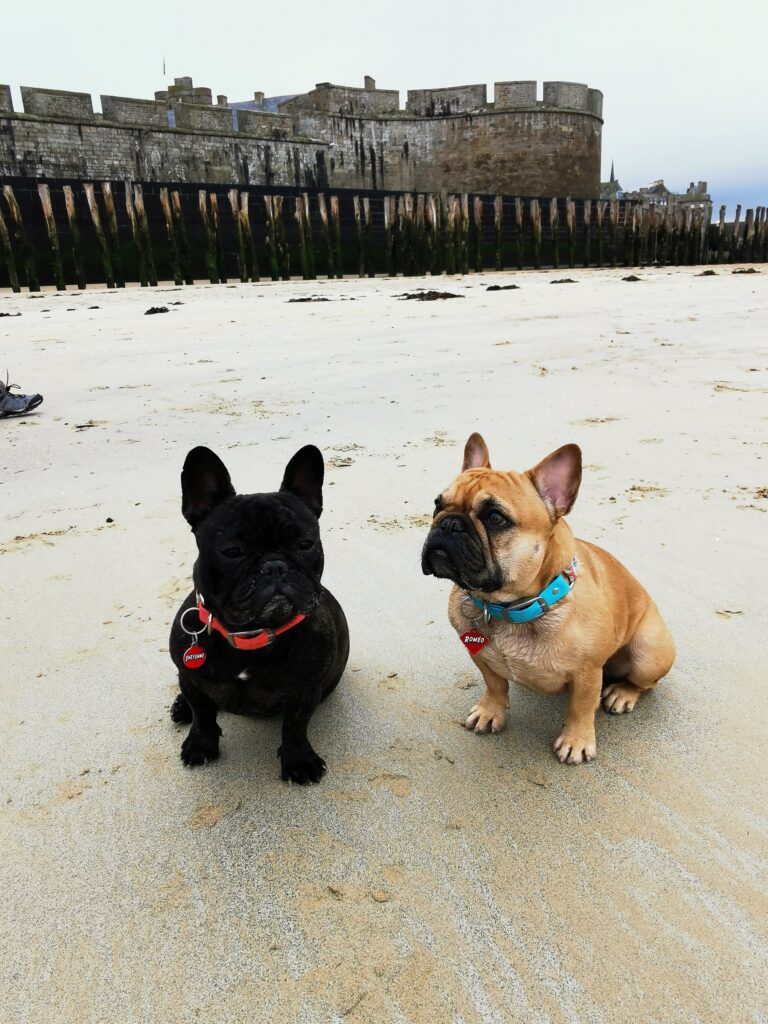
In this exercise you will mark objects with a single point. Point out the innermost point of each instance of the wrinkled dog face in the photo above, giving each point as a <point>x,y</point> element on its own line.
<point>490,529</point>
<point>260,557</point>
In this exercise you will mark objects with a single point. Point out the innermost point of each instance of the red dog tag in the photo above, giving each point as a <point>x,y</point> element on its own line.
<point>194,657</point>
<point>474,641</point>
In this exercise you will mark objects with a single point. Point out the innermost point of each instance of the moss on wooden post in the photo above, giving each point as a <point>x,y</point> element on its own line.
<point>274,266</point>
<point>519,233</point>
<point>586,233</point>
<point>570,221</point>
<point>326,233</point>
<point>283,255</point>
<point>106,255</point>
<point>477,240</point>
<point>10,259</point>
<point>23,246</point>
<point>309,241</point>
<point>536,222</point>
<point>359,237</point>
<point>498,228</point>
<point>113,234</point>
<point>244,216</point>
<point>554,225</point>
<point>210,238</point>
<point>613,227</point>
<point>336,222</point>
<point>600,215</point>
<point>221,261</point>
<point>165,205</point>
<point>144,235</point>
<point>53,237</point>
<point>181,238</point>
<point>234,205</point>
<point>136,235</point>
<point>462,222</point>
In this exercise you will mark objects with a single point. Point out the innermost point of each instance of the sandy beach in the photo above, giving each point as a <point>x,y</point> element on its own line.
<point>434,875</point>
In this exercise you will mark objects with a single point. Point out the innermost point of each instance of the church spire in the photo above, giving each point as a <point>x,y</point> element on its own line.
<point>613,176</point>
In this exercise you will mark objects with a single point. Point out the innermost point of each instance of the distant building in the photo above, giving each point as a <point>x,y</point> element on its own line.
<point>657,194</point>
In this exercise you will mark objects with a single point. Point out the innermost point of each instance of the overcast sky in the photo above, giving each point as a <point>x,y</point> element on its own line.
<point>685,84</point>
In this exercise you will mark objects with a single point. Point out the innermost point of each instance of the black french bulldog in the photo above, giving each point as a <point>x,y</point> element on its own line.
<point>270,637</point>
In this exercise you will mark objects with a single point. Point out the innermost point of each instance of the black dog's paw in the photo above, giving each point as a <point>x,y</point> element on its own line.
<point>197,749</point>
<point>181,712</point>
<point>300,764</point>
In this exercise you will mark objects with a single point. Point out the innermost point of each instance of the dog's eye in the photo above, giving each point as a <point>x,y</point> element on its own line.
<point>233,551</point>
<point>305,545</point>
<point>496,519</point>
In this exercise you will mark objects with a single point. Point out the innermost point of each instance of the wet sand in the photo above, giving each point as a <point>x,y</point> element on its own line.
<point>434,875</point>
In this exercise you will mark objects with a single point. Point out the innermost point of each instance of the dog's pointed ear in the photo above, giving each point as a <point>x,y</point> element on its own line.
<point>476,453</point>
<point>304,477</point>
<point>557,479</point>
<point>205,483</point>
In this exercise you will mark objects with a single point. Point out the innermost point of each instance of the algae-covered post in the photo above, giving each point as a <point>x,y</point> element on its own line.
<point>309,241</point>
<point>74,236</point>
<point>359,236</point>
<point>165,205</point>
<point>336,222</point>
<point>274,266</point>
<point>283,256</point>
<point>498,227</point>
<point>181,236</point>
<point>463,221</point>
<point>146,240</point>
<point>136,234</point>
<point>735,236</point>
<point>367,236</point>
<point>554,225</point>
<point>53,237</point>
<point>113,233</point>
<point>536,222</point>
<point>613,224</point>
<point>244,216</point>
<point>221,262</point>
<point>326,233</point>
<point>570,220</point>
<point>477,234</point>
<point>587,227</point>
<point>23,245</point>
<point>101,238</point>
<point>420,245</point>
<point>749,236</point>
<point>519,236</point>
<point>210,239</point>
<point>234,204</point>
<point>10,259</point>
<point>652,235</point>
<point>600,215</point>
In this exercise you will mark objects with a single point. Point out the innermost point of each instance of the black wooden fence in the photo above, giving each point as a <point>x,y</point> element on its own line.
<point>66,233</point>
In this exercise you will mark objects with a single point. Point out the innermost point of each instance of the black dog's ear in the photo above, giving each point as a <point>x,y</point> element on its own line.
<point>304,477</point>
<point>205,483</point>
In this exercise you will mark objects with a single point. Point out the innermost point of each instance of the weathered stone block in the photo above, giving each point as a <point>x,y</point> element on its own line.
<point>514,94</point>
<point>57,103</point>
<point>263,125</point>
<point>6,101</point>
<point>203,118</point>
<point>595,102</point>
<point>123,110</point>
<point>461,99</point>
<point>572,95</point>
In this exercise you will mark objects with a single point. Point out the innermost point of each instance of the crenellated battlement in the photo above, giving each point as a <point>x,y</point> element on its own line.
<point>530,138</point>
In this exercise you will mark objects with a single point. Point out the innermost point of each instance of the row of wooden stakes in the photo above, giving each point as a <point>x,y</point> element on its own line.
<point>404,233</point>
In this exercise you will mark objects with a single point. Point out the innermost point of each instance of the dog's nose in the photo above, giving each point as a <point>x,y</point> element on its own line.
<point>452,524</point>
<point>274,568</point>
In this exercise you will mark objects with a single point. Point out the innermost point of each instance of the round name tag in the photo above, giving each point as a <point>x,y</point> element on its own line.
<point>194,657</point>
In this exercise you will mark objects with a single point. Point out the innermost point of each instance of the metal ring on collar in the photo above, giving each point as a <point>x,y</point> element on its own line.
<point>191,632</point>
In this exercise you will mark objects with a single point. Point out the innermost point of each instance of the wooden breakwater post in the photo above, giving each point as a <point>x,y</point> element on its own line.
<point>652,236</point>
<point>234,205</point>
<point>721,236</point>
<point>613,227</point>
<point>322,210</point>
<point>420,227</point>
<point>101,238</point>
<point>144,235</point>
<point>536,223</point>
<point>309,239</point>
<point>749,236</point>
<point>629,237</point>
<point>554,225</point>
<point>735,247</point>
<point>663,249</point>
<point>368,221</point>
<point>22,242</point>
<point>304,230</point>
<point>586,231</point>
<point>336,222</point>
<point>113,234</point>
<point>165,206</point>
<point>135,235</point>
<point>359,236</point>
<point>244,216</point>
<point>450,235</point>
<point>274,266</point>
<point>389,235</point>
<point>463,226</point>
<point>53,237</point>
<point>600,216</point>
<point>221,261</point>
<point>432,229</point>
<point>10,259</point>
<point>181,236</point>
<point>74,236</point>
<point>498,232</point>
<point>570,222</point>
<point>210,238</point>
<point>477,234</point>
<point>519,233</point>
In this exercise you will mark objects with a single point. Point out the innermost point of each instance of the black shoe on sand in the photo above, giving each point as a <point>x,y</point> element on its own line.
<point>16,405</point>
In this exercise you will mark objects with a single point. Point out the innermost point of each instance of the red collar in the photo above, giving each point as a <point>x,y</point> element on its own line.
<point>248,640</point>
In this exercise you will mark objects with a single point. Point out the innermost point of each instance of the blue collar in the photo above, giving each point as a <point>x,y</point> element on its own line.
<point>529,608</point>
